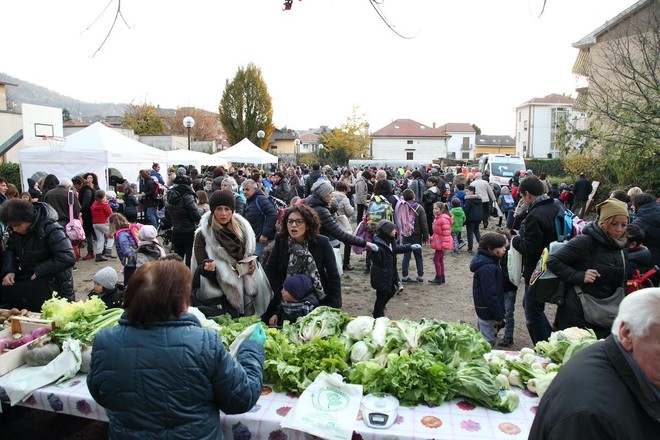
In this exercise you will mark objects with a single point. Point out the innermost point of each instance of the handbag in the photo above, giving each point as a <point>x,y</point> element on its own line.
<point>514,266</point>
<point>602,311</point>
<point>74,229</point>
<point>544,285</point>
<point>211,300</point>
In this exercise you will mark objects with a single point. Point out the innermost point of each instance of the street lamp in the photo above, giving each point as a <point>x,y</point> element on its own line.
<point>260,135</point>
<point>321,152</point>
<point>189,123</point>
<point>296,144</point>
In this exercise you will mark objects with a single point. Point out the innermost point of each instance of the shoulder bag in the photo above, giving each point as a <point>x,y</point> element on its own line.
<point>74,229</point>
<point>602,311</point>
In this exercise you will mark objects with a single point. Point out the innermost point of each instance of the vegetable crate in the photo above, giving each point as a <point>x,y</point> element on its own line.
<point>12,359</point>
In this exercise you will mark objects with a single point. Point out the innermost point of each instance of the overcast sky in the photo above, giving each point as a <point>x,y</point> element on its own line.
<point>467,61</point>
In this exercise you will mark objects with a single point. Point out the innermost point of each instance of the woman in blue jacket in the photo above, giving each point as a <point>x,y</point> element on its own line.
<point>159,374</point>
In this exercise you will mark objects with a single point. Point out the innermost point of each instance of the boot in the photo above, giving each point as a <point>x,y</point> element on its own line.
<point>108,253</point>
<point>99,258</point>
<point>436,280</point>
<point>442,279</point>
<point>89,256</point>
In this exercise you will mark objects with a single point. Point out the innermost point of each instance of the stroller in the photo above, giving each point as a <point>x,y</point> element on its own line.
<point>641,281</point>
<point>164,229</point>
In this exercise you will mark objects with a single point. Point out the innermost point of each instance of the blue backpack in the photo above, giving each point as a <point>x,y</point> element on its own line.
<point>567,224</point>
<point>508,203</point>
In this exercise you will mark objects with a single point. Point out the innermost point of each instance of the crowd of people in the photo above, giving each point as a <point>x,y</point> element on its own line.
<point>269,244</point>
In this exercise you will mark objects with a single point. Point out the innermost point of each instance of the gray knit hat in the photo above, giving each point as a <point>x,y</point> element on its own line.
<point>181,171</point>
<point>106,277</point>
<point>385,226</point>
<point>322,188</point>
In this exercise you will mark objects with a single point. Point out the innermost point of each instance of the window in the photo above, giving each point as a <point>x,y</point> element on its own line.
<point>524,145</point>
<point>466,142</point>
<point>524,125</point>
<point>519,116</point>
<point>409,155</point>
<point>409,142</point>
<point>452,155</point>
<point>558,118</point>
<point>466,155</point>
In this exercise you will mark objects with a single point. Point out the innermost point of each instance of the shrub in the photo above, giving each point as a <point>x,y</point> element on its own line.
<point>11,172</point>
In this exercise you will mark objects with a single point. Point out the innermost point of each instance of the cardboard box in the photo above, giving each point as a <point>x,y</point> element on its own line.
<point>12,359</point>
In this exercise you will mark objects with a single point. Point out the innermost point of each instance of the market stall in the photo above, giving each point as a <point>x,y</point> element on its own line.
<point>455,419</point>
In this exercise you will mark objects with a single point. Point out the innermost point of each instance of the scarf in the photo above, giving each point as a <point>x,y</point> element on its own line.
<point>230,243</point>
<point>301,261</point>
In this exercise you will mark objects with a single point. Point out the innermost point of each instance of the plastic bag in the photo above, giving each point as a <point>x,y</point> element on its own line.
<point>327,408</point>
<point>514,265</point>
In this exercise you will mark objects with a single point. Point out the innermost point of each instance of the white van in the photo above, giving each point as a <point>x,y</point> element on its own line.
<point>501,167</point>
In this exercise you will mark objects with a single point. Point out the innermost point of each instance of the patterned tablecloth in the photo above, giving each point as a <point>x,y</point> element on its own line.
<point>456,419</point>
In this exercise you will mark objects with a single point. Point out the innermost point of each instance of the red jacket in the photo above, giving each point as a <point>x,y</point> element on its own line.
<point>441,238</point>
<point>100,212</point>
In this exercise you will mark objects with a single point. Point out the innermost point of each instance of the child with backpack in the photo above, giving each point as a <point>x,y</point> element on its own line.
<point>101,211</point>
<point>413,228</point>
<point>441,240</point>
<point>487,286</point>
<point>126,241</point>
<point>458,215</point>
<point>460,193</point>
<point>384,274</point>
<point>506,203</point>
<point>149,249</point>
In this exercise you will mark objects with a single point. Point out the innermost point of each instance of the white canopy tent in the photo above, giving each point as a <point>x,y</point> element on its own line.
<point>194,158</point>
<point>246,152</point>
<point>95,149</point>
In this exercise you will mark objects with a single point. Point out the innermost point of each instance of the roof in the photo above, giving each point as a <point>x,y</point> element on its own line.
<point>590,39</point>
<point>493,139</point>
<point>282,135</point>
<point>309,138</point>
<point>5,83</point>
<point>551,99</point>
<point>460,127</point>
<point>408,128</point>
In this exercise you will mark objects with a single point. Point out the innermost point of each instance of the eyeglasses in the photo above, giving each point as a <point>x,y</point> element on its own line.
<point>297,222</point>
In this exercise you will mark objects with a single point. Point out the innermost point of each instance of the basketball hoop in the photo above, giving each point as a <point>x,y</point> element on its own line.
<point>54,142</point>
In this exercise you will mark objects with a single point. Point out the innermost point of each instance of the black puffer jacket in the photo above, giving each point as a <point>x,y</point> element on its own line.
<point>384,274</point>
<point>487,290</point>
<point>261,214</point>
<point>44,250</point>
<point>182,208</point>
<point>474,210</point>
<point>540,231</point>
<point>648,218</point>
<point>329,226</point>
<point>311,180</point>
<point>592,250</point>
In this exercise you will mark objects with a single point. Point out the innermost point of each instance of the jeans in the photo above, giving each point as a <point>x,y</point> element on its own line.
<point>509,309</point>
<point>150,213</point>
<point>102,230</point>
<point>457,239</point>
<point>259,249</point>
<point>488,329</point>
<point>537,323</point>
<point>360,212</point>
<point>472,229</point>
<point>419,261</point>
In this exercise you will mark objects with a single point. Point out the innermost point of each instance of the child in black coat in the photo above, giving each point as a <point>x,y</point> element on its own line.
<point>487,285</point>
<point>107,289</point>
<point>384,273</point>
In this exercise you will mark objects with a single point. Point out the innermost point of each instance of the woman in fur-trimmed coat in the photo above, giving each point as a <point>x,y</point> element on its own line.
<point>224,248</point>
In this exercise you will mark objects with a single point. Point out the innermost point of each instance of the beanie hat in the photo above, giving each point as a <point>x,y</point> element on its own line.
<point>181,171</point>
<point>111,194</point>
<point>106,277</point>
<point>610,208</point>
<point>222,197</point>
<point>148,233</point>
<point>322,188</point>
<point>386,227</point>
<point>299,286</point>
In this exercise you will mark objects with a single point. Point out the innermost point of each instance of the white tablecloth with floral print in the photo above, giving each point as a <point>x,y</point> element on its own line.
<point>456,419</point>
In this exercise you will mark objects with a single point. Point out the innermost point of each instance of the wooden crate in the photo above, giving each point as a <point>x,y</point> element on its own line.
<point>13,359</point>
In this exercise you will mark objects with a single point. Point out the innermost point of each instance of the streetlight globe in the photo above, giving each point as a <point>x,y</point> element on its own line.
<point>261,134</point>
<point>188,122</point>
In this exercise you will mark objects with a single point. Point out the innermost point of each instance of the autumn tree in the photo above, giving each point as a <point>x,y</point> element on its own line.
<point>246,107</point>
<point>143,119</point>
<point>348,141</point>
<point>207,124</point>
<point>623,101</point>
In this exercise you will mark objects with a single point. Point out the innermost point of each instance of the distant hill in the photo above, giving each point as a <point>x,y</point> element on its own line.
<point>29,93</point>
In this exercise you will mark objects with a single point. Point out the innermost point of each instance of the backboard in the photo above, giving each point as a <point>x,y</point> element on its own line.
<point>41,125</point>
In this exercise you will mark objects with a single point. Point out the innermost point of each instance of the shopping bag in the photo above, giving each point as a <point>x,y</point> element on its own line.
<point>327,408</point>
<point>514,266</point>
